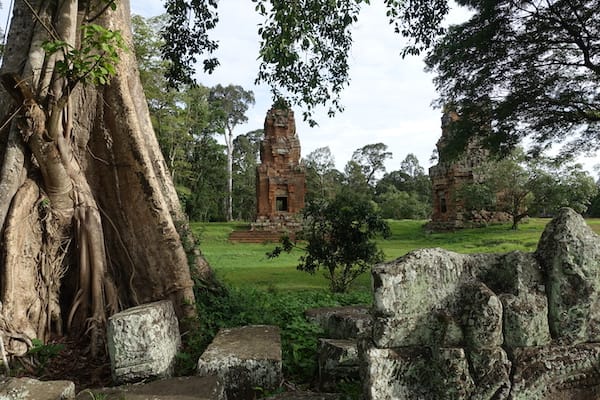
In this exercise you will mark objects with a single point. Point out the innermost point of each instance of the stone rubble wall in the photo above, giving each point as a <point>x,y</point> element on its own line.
<point>489,326</point>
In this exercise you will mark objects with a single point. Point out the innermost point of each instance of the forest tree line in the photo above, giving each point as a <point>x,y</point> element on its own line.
<point>216,181</point>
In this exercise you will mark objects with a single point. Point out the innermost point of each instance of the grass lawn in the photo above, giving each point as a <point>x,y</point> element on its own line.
<point>246,265</point>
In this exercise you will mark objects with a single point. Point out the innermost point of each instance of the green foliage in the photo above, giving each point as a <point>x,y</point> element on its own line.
<point>395,204</point>
<point>229,105</point>
<point>93,61</point>
<point>246,150</point>
<point>522,186</point>
<point>533,71</point>
<point>245,306</point>
<point>371,160</point>
<point>322,179</point>
<point>405,193</point>
<point>184,122</point>
<point>476,196</point>
<point>95,395</point>
<point>44,352</point>
<point>186,36</point>
<point>304,44</point>
<point>338,237</point>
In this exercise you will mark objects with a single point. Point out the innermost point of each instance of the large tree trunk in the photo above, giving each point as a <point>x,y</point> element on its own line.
<point>89,217</point>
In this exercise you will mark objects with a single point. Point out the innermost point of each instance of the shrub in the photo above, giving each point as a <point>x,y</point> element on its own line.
<point>246,306</point>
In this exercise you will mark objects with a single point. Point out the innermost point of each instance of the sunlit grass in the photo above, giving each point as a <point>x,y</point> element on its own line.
<point>241,264</point>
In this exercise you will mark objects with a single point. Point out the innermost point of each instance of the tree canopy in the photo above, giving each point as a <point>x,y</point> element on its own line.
<point>304,45</point>
<point>525,69</point>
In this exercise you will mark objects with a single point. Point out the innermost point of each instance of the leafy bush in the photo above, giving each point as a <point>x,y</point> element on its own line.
<point>339,238</point>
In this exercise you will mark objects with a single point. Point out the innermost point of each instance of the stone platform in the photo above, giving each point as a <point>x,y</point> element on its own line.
<point>257,236</point>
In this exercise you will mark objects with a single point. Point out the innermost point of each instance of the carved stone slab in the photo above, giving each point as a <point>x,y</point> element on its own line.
<point>143,342</point>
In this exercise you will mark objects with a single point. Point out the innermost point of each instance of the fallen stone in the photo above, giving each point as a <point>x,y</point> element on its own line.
<point>556,372</point>
<point>525,320</point>
<point>481,316</point>
<point>143,342</point>
<point>490,371</point>
<point>414,373</point>
<point>244,358</point>
<point>33,389</point>
<point>305,396</point>
<point>182,388</point>
<point>342,322</point>
<point>569,252</point>
<point>415,295</point>
<point>338,361</point>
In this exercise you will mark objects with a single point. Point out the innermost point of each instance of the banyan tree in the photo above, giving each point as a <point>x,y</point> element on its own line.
<point>90,222</point>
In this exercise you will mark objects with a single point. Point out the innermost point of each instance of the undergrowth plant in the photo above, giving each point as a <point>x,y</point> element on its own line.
<point>42,353</point>
<point>246,306</point>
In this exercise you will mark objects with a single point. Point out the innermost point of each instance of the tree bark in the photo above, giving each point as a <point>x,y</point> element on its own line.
<point>229,143</point>
<point>105,229</point>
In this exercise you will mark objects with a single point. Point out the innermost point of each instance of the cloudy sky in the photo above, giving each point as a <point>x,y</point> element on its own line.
<point>388,100</point>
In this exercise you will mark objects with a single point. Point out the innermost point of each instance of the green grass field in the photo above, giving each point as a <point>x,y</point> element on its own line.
<point>273,292</point>
<point>246,265</point>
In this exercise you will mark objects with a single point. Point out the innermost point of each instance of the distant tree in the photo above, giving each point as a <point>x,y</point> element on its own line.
<point>593,210</point>
<point>522,186</point>
<point>405,193</point>
<point>561,185</point>
<point>371,160</point>
<point>511,182</point>
<point>229,105</point>
<point>411,167</point>
<point>355,179</point>
<point>533,70</point>
<point>395,204</point>
<point>320,173</point>
<point>206,190</point>
<point>246,152</point>
<point>476,196</point>
<point>338,237</point>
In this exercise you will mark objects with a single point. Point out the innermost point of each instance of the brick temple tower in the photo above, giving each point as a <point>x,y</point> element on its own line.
<point>280,178</point>
<point>448,176</point>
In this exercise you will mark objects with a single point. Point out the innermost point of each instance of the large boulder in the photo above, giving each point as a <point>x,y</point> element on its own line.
<point>415,295</point>
<point>569,253</point>
<point>346,322</point>
<point>556,372</point>
<point>415,373</point>
<point>480,315</point>
<point>489,326</point>
<point>338,361</point>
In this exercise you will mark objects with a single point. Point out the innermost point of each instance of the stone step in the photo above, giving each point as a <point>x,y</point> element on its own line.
<point>33,389</point>
<point>182,388</point>
<point>338,361</point>
<point>244,358</point>
<point>305,396</point>
<point>347,322</point>
<point>255,236</point>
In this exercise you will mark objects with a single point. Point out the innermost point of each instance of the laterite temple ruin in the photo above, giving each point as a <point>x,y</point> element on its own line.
<point>280,180</point>
<point>448,176</point>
